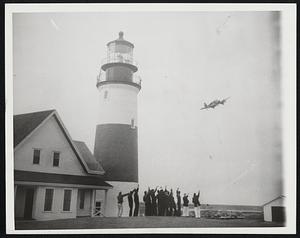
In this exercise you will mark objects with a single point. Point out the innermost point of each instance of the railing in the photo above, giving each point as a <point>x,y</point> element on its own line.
<point>135,78</point>
<point>119,58</point>
<point>97,210</point>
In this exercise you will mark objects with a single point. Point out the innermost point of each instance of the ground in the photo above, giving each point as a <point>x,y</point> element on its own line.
<point>140,222</point>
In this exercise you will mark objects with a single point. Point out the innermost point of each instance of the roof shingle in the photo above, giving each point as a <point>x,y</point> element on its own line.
<point>87,155</point>
<point>24,124</point>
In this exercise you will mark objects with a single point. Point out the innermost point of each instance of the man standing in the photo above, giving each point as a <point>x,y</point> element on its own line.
<point>178,202</point>
<point>160,202</point>
<point>120,203</point>
<point>196,204</point>
<point>153,202</point>
<point>172,205</point>
<point>130,202</point>
<point>147,201</point>
<point>136,202</point>
<point>185,205</point>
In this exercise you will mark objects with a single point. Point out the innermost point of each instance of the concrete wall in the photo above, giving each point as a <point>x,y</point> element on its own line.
<point>120,106</point>
<point>48,138</point>
<point>268,208</point>
<point>111,206</point>
<point>86,211</point>
<point>57,204</point>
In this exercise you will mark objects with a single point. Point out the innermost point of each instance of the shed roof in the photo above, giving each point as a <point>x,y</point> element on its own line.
<point>281,196</point>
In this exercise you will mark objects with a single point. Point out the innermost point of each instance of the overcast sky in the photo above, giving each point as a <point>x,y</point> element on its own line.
<point>231,153</point>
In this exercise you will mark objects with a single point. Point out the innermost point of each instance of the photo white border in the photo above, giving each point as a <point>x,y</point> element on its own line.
<point>288,79</point>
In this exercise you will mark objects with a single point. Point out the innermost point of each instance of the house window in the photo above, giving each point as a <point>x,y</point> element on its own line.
<point>132,123</point>
<point>48,199</point>
<point>36,156</point>
<point>105,94</point>
<point>56,159</point>
<point>67,200</point>
<point>81,199</point>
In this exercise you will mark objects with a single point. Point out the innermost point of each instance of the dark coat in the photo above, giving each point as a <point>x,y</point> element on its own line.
<point>185,201</point>
<point>136,196</point>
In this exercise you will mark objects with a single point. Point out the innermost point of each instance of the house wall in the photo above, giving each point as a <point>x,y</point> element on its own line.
<point>49,138</point>
<point>57,204</point>
<point>86,211</point>
<point>268,208</point>
<point>20,202</point>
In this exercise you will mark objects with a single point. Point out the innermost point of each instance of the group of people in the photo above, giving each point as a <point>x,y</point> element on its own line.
<point>160,202</point>
<point>135,199</point>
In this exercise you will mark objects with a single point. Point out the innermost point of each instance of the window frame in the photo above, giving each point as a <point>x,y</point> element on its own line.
<point>132,124</point>
<point>52,199</point>
<point>56,152</point>
<point>105,94</point>
<point>33,157</point>
<point>63,205</point>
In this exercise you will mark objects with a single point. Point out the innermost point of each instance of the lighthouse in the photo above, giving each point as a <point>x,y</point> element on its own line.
<point>116,140</point>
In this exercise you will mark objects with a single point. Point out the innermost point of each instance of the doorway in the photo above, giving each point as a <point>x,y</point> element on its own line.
<point>278,214</point>
<point>29,192</point>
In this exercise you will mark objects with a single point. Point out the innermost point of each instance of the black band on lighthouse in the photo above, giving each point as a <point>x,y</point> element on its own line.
<point>116,149</point>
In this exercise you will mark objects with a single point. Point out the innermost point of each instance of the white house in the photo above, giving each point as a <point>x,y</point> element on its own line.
<point>54,176</point>
<point>274,210</point>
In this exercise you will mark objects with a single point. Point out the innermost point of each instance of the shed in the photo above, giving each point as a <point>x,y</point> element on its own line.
<point>274,210</point>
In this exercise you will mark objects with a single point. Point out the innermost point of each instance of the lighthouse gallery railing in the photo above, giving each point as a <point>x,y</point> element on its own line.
<point>135,78</point>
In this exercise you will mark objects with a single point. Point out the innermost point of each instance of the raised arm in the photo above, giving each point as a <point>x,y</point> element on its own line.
<point>126,194</point>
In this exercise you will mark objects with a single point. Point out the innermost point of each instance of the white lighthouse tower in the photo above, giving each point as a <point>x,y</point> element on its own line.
<point>116,141</point>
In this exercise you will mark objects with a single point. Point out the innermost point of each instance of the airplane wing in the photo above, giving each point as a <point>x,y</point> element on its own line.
<point>213,103</point>
<point>224,100</point>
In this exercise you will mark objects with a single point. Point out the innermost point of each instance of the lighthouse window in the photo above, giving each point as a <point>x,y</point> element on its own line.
<point>105,94</point>
<point>132,123</point>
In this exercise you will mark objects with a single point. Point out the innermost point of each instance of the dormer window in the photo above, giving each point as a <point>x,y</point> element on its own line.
<point>36,156</point>
<point>56,159</point>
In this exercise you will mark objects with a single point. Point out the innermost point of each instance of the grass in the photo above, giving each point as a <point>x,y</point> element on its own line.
<point>140,222</point>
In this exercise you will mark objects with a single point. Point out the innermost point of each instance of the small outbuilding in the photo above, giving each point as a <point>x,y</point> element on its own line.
<point>274,210</point>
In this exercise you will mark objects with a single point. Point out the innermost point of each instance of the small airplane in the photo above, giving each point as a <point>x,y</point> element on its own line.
<point>214,103</point>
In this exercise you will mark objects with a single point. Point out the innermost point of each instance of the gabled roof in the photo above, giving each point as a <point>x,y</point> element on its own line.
<point>87,155</point>
<point>26,124</point>
<point>281,196</point>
